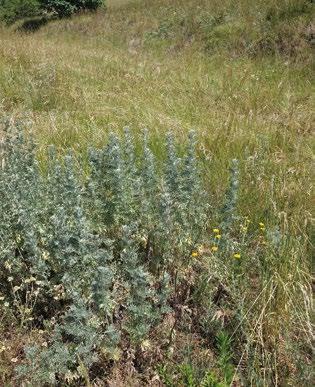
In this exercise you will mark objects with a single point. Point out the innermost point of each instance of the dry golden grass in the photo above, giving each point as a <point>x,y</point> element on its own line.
<point>75,81</point>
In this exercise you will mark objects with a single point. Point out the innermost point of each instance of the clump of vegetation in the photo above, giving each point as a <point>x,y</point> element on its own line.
<point>13,10</point>
<point>91,260</point>
<point>66,8</point>
<point>118,268</point>
<point>268,28</point>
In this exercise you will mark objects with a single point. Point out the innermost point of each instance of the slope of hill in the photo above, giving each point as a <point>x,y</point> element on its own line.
<point>238,72</point>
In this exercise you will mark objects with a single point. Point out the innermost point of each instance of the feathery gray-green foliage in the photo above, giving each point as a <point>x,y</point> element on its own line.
<point>98,251</point>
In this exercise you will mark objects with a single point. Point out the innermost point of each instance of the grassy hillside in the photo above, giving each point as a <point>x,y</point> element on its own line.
<point>241,74</point>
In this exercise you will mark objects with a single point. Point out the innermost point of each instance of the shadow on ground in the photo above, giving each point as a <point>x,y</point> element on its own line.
<point>33,25</point>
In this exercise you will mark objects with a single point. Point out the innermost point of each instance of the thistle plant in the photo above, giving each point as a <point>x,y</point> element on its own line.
<point>149,186</point>
<point>20,183</point>
<point>138,285</point>
<point>94,259</point>
<point>228,213</point>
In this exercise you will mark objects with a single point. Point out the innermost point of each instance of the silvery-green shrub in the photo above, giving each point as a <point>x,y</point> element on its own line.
<point>101,250</point>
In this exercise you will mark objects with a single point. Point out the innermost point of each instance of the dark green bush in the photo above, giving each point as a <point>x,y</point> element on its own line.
<point>65,8</point>
<point>13,10</point>
<point>62,8</point>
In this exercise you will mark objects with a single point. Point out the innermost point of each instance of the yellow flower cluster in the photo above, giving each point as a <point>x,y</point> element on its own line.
<point>217,235</point>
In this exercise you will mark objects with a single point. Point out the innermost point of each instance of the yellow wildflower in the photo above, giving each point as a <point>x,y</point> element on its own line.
<point>218,236</point>
<point>214,248</point>
<point>194,254</point>
<point>216,230</point>
<point>237,255</point>
<point>261,224</point>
